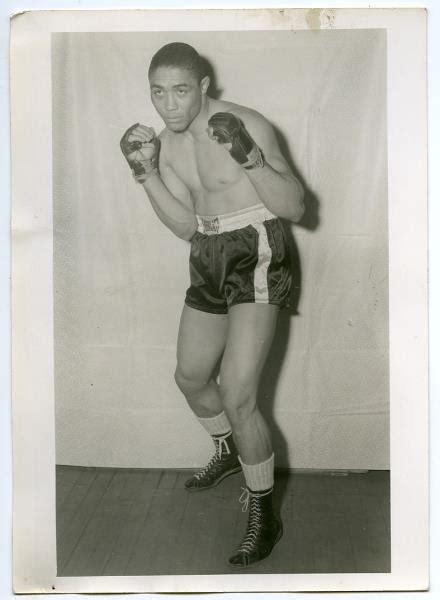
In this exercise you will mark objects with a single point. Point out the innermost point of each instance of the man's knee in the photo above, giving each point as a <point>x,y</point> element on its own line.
<point>188,381</point>
<point>239,399</point>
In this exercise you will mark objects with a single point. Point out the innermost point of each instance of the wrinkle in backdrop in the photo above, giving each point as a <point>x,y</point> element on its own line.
<point>120,275</point>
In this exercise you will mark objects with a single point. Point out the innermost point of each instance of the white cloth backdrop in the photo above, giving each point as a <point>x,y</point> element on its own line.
<point>120,276</point>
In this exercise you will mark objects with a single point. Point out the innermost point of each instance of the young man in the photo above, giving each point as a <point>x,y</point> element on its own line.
<point>215,176</point>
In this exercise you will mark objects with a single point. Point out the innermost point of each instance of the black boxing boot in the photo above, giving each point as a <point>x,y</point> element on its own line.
<point>224,462</point>
<point>264,529</point>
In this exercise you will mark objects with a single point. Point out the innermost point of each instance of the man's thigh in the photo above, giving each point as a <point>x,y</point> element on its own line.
<point>200,343</point>
<point>251,329</point>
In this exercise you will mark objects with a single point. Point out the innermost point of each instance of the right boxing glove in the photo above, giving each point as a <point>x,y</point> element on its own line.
<point>140,146</point>
<point>226,128</point>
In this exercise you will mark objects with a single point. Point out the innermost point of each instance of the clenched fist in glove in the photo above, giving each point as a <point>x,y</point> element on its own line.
<point>140,147</point>
<point>226,128</point>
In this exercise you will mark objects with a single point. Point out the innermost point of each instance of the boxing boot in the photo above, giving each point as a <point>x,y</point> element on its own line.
<point>264,528</point>
<point>224,462</point>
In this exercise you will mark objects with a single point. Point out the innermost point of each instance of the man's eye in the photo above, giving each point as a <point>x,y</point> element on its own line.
<point>158,92</point>
<point>182,92</point>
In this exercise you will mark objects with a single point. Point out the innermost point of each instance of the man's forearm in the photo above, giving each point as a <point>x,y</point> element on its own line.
<point>171,211</point>
<point>282,193</point>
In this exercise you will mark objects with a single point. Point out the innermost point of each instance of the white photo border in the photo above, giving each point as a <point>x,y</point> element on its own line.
<point>34,531</point>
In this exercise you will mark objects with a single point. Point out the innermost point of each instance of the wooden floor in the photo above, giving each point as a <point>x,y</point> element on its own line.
<point>143,522</point>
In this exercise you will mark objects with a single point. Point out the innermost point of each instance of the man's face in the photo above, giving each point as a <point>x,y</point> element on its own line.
<point>176,95</point>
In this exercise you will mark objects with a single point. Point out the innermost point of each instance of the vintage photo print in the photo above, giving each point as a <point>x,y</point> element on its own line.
<point>219,300</point>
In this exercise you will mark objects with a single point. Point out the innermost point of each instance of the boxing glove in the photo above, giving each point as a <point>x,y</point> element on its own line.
<point>140,146</point>
<point>228,129</point>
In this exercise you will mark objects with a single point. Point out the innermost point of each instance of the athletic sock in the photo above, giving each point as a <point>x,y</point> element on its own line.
<point>259,477</point>
<point>218,425</point>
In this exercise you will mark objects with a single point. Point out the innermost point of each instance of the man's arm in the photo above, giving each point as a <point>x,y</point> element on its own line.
<point>274,182</point>
<point>171,201</point>
<point>272,178</point>
<point>169,197</point>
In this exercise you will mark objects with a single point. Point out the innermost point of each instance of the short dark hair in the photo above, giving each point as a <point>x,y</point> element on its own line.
<point>178,54</point>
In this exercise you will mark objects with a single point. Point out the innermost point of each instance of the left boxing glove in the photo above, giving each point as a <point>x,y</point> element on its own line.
<point>140,146</point>
<point>226,128</point>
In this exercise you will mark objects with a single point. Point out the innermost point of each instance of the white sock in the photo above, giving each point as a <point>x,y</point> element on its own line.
<point>218,425</point>
<point>259,477</point>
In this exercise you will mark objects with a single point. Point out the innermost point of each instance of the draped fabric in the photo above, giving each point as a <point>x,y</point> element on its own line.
<point>120,275</point>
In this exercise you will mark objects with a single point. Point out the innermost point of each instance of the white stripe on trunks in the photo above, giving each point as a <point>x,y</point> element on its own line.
<point>261,287</point>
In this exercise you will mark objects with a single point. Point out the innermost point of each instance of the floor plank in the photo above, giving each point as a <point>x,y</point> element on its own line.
<point>135,503</point>
<point>91,551</point>
<point>144,522</point>
<point>65,481</point>
<point>69,516</point>
<point>81,516</point>
<point>158,533</point>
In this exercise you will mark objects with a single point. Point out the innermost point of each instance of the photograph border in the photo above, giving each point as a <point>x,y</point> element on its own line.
<point>34,554</point>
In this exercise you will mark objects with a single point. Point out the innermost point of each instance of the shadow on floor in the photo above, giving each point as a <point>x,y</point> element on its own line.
<point>143,522</point>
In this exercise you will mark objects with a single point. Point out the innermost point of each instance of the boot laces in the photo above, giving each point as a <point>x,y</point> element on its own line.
<point>244,498</point>
<point>221,447</point>
<point>250,500</point>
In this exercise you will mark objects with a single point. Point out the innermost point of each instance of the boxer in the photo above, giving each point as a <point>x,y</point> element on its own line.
<point>216,177</point>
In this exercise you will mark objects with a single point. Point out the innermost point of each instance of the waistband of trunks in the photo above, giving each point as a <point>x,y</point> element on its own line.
<point>252,215</point>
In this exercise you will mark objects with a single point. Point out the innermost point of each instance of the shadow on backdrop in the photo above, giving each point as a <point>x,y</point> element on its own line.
<point>213,91</point>
<point>272,368</point>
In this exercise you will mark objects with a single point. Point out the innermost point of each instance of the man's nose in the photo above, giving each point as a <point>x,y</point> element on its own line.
<point>171,103</point>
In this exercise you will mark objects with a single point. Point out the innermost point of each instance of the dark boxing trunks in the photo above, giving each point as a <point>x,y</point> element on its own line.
<point>236,258</point>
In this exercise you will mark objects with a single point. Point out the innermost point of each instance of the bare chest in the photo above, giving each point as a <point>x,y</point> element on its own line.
<point>205,167</point>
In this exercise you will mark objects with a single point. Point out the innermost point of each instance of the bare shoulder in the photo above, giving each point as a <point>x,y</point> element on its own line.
<point>166,140</point>
<point>257,125</point>
<point>262,131</point>
<point>164,137</point>
<point>251,118</point>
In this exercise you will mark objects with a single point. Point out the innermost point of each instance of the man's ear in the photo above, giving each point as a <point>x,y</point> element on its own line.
<point>204,84</point>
